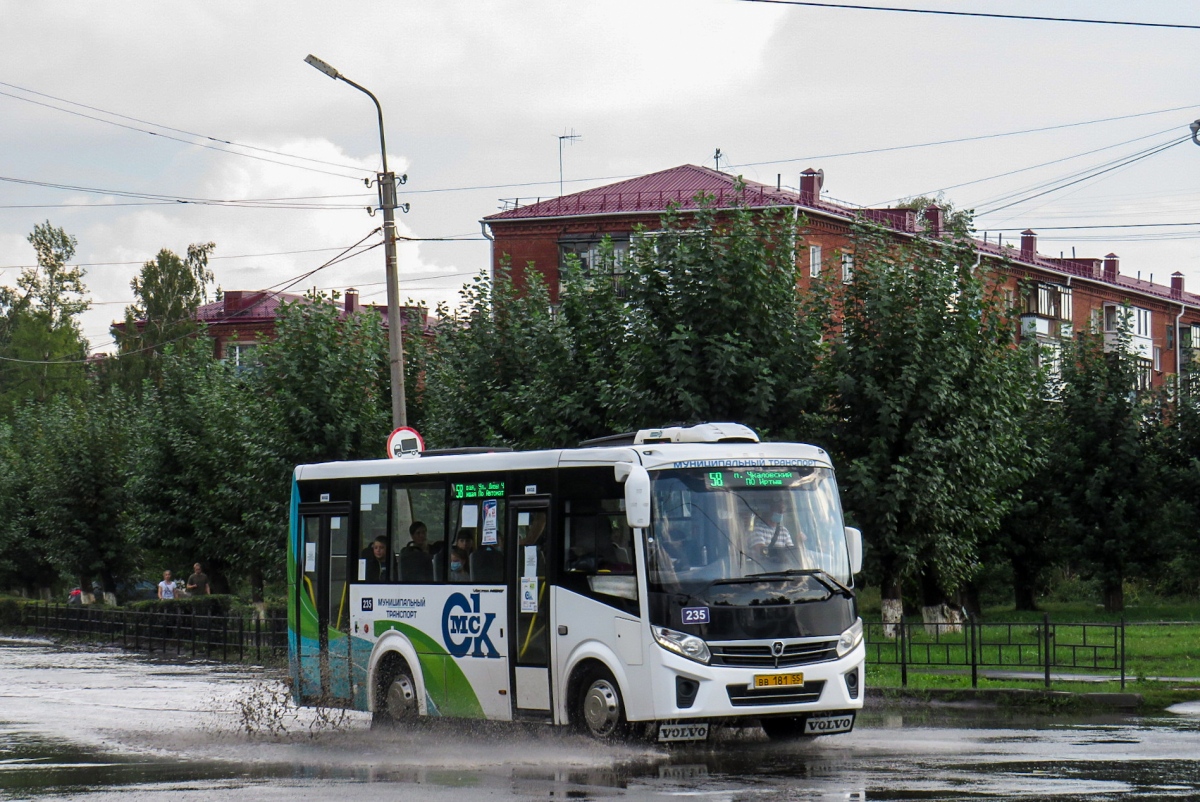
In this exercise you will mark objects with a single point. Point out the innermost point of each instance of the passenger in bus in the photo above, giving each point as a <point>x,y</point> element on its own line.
<point>376,556</point>
<point>458,565</point>
<point>464,541</point>
<point>419,533</point>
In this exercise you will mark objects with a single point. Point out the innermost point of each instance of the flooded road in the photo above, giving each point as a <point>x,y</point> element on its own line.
<point>101,725</point>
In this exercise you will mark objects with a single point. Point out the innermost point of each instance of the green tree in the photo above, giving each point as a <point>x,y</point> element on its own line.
<point>167,293</point>
<point>928,396</point>
<point>42,350</point>
<point>717,326</point>
<point>1106,465</point>
<point>492,377</point>
<point>208,483</point>
<point>325,382</point>
<point>77,489</point>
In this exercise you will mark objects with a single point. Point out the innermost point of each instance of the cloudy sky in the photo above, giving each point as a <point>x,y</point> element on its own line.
<point>112,114</point>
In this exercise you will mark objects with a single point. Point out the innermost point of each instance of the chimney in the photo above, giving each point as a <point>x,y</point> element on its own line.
<point>1112,265</point>
<point>1028,245</point>
<point>1177,285</point>
<point>234,301</point>
<point>351,301</point>
<point>933,220</point>
<point>810,186</point>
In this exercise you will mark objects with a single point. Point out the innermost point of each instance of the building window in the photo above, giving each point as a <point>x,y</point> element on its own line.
<point>847,268</point>
<point>591,256</point>
<point>814,260</point>
<point>1137,319</point>
<point>1051,301</point>
<point>241,355</point>
<point>1170,338</point>
<point>1145,374</point>
<point>1158,358</point>
<point>1141,322</point>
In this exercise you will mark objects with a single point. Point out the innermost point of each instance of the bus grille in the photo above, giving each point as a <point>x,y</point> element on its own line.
<point>794,654</point>
<point>740,695</point>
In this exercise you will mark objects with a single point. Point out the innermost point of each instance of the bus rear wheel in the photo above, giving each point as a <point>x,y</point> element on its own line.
<point>599,709</point>
<point>397,701</point>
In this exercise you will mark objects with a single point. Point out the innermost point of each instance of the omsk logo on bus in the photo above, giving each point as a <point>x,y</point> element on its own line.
<point>467,631</point>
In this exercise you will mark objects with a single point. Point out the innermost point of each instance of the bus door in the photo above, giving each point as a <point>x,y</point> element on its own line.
<point>529,618</point>
<point>324,603</point>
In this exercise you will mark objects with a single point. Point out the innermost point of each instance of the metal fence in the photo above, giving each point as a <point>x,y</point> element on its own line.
<point>230,637</point>
<point>1042,646</point>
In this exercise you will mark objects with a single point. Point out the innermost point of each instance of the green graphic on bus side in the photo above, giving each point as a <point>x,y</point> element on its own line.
<point>445,682</point>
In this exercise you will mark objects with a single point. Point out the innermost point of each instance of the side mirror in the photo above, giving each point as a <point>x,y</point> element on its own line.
<point>637,493</point>
<point>854,544</point>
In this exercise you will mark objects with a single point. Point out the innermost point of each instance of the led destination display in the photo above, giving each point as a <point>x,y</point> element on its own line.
<point>766,477</point>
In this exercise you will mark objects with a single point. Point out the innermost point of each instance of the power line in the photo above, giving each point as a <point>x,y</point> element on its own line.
<point>930,192</point>
<point>975,14</point>
<point>274,289</point>
<point>247,203</point>
<point>210,258</point>
<point>1096,173</point>
<point>967,138</point>
<point>179,130</point>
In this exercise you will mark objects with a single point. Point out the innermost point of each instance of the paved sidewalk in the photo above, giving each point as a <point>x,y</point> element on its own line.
<point>1055,676</point>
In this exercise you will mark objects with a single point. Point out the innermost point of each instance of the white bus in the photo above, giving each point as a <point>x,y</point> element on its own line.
<point>664,582</point>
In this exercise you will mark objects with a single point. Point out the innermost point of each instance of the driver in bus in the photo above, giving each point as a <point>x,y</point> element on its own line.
<point>769,532</point>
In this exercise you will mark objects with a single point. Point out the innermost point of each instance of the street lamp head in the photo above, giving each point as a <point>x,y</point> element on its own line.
<point>322,66</point>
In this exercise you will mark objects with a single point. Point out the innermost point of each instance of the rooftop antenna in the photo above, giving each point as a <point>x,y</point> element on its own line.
<point>571,137</point>
<point>717,159</point>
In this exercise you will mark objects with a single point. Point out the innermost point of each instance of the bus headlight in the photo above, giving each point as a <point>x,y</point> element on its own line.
<point>681,643</point>
<point>850,638</point>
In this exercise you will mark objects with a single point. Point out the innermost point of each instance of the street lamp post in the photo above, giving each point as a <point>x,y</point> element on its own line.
<point>386,181</point>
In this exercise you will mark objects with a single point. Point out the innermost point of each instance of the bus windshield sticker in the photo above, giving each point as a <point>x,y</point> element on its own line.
<point>335,522</point>
<point>470,516</point>
<point>694,615</point>
<point>522,519</point>
<point>368,496</point>
<point>310,557</point>
<point>362,570</point>
<point>529,600</point>
<point>489,522</point>
<point>530,561</point>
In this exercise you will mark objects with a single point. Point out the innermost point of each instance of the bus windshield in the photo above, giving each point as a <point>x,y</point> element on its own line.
<point>722,524</point>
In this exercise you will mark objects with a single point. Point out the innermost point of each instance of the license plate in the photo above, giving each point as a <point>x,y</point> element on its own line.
<point>683,732</point>
<point>824,725</point>
<point>777,680</point>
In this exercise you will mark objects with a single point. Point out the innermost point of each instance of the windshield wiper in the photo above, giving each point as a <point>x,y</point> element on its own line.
<point>820,574</point>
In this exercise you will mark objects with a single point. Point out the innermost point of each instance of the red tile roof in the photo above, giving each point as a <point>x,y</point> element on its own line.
<point>652,193</point>
<point>249,306</point>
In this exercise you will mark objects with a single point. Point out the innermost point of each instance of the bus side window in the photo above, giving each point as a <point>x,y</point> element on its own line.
<point>418,530</point>
<point>598,544</point>
<point>372,524</point>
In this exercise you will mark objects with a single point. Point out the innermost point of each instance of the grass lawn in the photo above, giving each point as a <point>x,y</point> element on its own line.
<point>1162,639</point>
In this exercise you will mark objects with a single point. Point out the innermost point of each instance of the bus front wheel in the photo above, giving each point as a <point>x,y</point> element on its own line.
<point>599,709</point>
<point>398,701</point>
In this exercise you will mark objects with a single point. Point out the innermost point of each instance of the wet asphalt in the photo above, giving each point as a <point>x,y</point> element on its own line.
<point>85,724</point>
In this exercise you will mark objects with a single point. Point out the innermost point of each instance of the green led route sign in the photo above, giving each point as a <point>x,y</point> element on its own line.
<point>478,490</point>
<point>766,477</point>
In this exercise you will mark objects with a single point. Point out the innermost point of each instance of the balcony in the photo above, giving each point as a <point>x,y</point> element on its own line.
<point>1141,347</point>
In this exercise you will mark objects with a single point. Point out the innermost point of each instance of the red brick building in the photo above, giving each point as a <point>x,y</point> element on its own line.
<point>1066,293</point>
<point>241,320</point>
